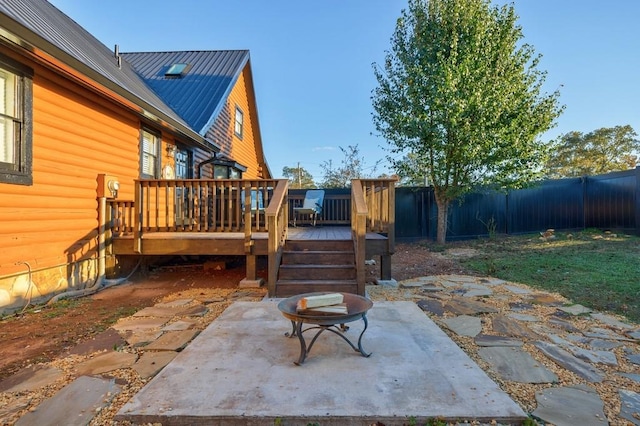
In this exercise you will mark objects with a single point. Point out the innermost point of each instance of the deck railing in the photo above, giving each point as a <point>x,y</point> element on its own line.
<point>277,222</point>
<point>372,210</point>
<point>248,206</point>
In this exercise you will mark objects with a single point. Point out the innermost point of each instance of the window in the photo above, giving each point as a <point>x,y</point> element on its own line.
<point>177,70</point>
<point>239,122</point>
<point>184,164</point>
<point>150,155</point>
<point>16,97</point>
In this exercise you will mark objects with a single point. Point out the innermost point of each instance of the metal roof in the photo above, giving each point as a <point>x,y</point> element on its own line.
<point>199,93</point>
<point>67,41</point>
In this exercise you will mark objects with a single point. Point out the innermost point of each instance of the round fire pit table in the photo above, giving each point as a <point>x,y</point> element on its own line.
<point>357,307</point>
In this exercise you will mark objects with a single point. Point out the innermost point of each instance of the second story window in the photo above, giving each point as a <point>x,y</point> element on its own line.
<point>239,122</point>
<point>149,151</point>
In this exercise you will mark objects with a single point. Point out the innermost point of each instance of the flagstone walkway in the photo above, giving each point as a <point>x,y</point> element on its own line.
<point>561,362</point>
<point>574,359</point>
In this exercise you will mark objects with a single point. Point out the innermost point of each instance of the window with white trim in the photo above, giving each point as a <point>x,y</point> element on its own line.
<point>150,155</point>
<point>239,122</point>
<point>16,100</point>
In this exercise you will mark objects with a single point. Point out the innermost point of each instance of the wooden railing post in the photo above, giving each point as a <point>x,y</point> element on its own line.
<point>359,231</point>
<point>137,226</point>
<point>277,222</point>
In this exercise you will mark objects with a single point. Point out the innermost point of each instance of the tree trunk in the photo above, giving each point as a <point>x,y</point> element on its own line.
<point>443,210</point>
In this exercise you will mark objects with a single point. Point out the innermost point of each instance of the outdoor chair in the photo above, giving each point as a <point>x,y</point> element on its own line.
<point>312,205</point>
<point>257,202</point>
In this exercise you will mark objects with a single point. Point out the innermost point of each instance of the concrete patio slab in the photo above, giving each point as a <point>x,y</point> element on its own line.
<point>240,370</point>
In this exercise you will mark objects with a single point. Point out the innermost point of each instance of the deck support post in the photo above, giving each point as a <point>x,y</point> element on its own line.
<point>385,267</point>
<point>251,280</point>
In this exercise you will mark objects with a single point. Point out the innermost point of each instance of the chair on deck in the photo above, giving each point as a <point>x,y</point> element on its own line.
<point>312,205</point>
<point>257,202</point>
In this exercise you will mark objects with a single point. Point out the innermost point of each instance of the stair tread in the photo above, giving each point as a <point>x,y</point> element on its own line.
<point>305,281</point>
<point>316,265</point>
<point>317,251</point>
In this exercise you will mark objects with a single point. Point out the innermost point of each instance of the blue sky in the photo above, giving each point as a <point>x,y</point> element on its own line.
<point>312,70</point>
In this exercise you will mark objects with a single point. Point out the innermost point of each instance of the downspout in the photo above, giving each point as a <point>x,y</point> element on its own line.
<point>204,163</point>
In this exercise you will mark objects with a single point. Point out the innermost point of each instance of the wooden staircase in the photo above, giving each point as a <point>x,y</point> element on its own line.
<point>317,265</point>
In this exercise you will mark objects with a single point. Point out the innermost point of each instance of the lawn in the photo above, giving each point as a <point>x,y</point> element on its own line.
<point>597,269</point>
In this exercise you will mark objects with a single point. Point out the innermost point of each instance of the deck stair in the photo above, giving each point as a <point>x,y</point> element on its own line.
<point>317,265</point>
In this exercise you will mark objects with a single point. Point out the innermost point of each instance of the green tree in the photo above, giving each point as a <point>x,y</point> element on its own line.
<point>352,166</point>
<point>604,150</point>
<point>299,178</point>
<point>462,94</point>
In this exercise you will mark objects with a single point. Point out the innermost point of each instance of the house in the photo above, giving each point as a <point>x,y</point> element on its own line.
<point>81,123</point>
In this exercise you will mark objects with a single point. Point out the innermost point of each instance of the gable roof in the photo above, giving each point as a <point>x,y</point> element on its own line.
<point>38,24</point>
<point>201,90</point>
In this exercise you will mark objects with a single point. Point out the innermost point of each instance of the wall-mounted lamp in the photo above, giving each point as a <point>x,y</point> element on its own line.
<point>171,150</point>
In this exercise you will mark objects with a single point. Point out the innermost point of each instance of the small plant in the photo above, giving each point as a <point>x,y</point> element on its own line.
<point>491,225</point>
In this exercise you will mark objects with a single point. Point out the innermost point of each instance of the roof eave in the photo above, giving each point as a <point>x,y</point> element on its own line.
<point>47,53</point>
<point>226,94</point>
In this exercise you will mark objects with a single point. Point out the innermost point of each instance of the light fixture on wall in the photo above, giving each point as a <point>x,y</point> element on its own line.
<point>171,150</point>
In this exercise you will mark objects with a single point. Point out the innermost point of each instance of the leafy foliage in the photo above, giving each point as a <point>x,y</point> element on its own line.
<point>352,166</point>
<point>299,177</point>
<point>461,94</point>
<point>604,150</point>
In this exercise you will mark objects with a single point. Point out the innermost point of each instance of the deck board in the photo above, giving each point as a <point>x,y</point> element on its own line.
<point>232,243</point>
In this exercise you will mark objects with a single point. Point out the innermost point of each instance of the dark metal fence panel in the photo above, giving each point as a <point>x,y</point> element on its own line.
<point>480,213</point>
<point>610,201</point>
<point>553,204</point>
<point>412,209</point>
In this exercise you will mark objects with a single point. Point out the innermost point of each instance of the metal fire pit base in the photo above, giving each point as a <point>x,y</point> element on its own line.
<point>357,307</point>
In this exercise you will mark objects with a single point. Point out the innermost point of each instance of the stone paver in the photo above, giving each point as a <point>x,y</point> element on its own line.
<point>575,309</point>
<point>516,365</point>
<point>174,303</point>
<point>136,323</point>
<point>179,326</point>
<point>603,333</point>
<point>150,363</point>
<point>172,341</point>
<point>570,406</point>
<point>632,376</point>
<point>159,311</point>
<point>31,378</point>
<point>611,320</point>
<point>75,405</point>
<point>523,317</point>
<point>630,406</point>
<point>433,306</point>
<point>106,362</point>
<point>490,340</point>
<point>634,358</point>
<point>517,290</point>
<point>464,325</point>
<point>570,362</point>
<point>504,325</point>
<point>107,340</point>
<point>143,337</point>
<point>462,306</point>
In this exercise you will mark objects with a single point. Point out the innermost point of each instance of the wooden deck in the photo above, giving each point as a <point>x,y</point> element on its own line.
<point>208,217</point>
<point>232,243</point>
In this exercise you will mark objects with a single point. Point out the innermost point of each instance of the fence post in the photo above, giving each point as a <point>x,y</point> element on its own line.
<point>637,206</point>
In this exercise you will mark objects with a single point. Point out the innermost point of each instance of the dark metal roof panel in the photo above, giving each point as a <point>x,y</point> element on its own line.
<point>199,94</point>
<point>49,23</point>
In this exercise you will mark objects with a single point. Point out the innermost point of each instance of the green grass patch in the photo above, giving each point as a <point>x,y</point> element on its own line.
<point>595,269</point>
